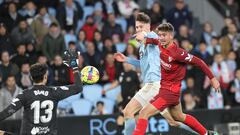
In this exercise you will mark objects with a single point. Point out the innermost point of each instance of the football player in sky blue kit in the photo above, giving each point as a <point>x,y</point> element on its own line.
<point>151,75</point>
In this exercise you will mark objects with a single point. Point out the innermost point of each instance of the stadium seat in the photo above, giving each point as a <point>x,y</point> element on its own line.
<point>92,92</point>
<point>112,94</point>
<point>82,107</point>
<point>122,21</point>
<point>66,103</point>
<point>68,38</point>
<point>81,2</point>
<point>121,47</point>
<point>88,10</point>
<point>108,103</point>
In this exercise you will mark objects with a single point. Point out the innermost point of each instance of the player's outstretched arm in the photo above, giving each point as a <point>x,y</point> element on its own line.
<point>183,56</point>
<point>61,92</point>
<point>15,105</point>
<point>122,58</point>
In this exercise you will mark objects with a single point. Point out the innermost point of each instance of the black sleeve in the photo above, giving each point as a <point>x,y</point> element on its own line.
<point>15,105</point>
<point>61,92</point>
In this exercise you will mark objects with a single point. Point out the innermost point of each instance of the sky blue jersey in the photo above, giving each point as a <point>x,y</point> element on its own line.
<point>149,62</point>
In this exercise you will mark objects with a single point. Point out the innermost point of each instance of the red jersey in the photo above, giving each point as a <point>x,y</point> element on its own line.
<point>173,65</point>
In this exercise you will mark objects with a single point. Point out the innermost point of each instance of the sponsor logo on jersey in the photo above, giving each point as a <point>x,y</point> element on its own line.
<point>14,101</point>
<point>165,65</point>
<point>40,92</point>
<point>39,130</point>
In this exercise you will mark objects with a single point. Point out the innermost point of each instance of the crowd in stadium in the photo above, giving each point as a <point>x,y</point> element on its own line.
<point>40,31</point>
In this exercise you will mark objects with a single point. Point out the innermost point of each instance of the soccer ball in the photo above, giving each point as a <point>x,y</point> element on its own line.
<point>89,75</point>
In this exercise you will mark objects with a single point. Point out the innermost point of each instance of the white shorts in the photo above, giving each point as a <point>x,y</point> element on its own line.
<point>147,92</point>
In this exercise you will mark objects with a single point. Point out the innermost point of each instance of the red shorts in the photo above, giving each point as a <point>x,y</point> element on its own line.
<point>167,97</point>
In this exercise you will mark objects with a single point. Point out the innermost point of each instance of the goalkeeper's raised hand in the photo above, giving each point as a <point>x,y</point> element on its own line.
<point>70,58</point>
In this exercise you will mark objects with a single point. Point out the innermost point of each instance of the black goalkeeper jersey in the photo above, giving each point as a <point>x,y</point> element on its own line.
<point>40,105</point>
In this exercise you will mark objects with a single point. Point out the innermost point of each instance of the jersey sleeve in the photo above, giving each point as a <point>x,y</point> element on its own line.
<point>133,62</point>
<point>152,41</point>
<point>15,105</point>
<point>182,55</point>
<point>61,92</point>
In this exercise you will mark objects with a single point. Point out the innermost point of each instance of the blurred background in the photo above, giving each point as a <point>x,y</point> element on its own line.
<point>39,31</point>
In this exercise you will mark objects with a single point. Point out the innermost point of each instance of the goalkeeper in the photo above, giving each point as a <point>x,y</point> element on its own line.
<point>40,101</point>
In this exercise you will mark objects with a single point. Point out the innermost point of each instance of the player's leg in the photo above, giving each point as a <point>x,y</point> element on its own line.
<point>129,122</point>
<point>174,123</point>
<point>177,114</point>
<point>142,122</point>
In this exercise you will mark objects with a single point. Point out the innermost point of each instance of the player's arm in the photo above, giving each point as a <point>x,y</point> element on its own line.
<point>122,58</point>
<point>182,55</point>
<point>61,92</point>
<point>15,105</point>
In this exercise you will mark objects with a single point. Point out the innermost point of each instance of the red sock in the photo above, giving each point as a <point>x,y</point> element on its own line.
<point>141,127</point>
<point>195,125</point>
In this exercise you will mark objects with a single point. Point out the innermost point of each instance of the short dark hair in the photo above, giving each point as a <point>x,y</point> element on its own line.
<point>142,17</point>
<point>100,103</point>
<point>38,71</point>
<point>53,25</point>
<point>165,27</point>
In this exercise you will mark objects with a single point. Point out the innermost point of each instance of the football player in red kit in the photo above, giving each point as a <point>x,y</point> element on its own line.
<point>173,69</point>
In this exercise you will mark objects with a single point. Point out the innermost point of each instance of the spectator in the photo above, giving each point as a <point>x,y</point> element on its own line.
<point>53,43</point>
<point>129,82</point>
<point>186,45</point>
<point>7,67</point>
<point>20,57</point>
<point>29,11</point>
<point>208,33</point>
<point>40,25</point>
<point>10,91</point>
<point>98,16</point>
<point>188,101</point>
<point>111,68</point>
<point>99,109</point>
<point>234,90</point>
<point>31,53</point>
<point>72,45</point>
<point>110,27</point>
<point>120,46</point>
<point>131,19</point>
<point>61,72</point>
<point>131,51</point>
<point>42,59</point>
<point>22,33</point>
<point>179,15</point>
<point>5,40</point>
<point>126,7</point>
<point>184,34</point>
<point>232,64</point>
<point>68,15</point>
<point>98,41</point>
<point>232,9</point>
<point>23,79</point>
<point>214,47</point>
<point>128,35</point>
<point>91,56</point>
<point>81,45</point>
<point>12,17</point>
<point>230,41</point>
<point>81,63</point>
<point>89,27</point>
<point>202,53</point>
<point>108,47</point>
<point>227,22</point>
<point>156,14</point>
<point>221,72</point>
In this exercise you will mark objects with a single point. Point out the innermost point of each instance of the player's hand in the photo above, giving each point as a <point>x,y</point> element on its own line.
<point>70,58</point>
<point>140,36</point>
<point>215,84</point>
<point>120,57</point>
